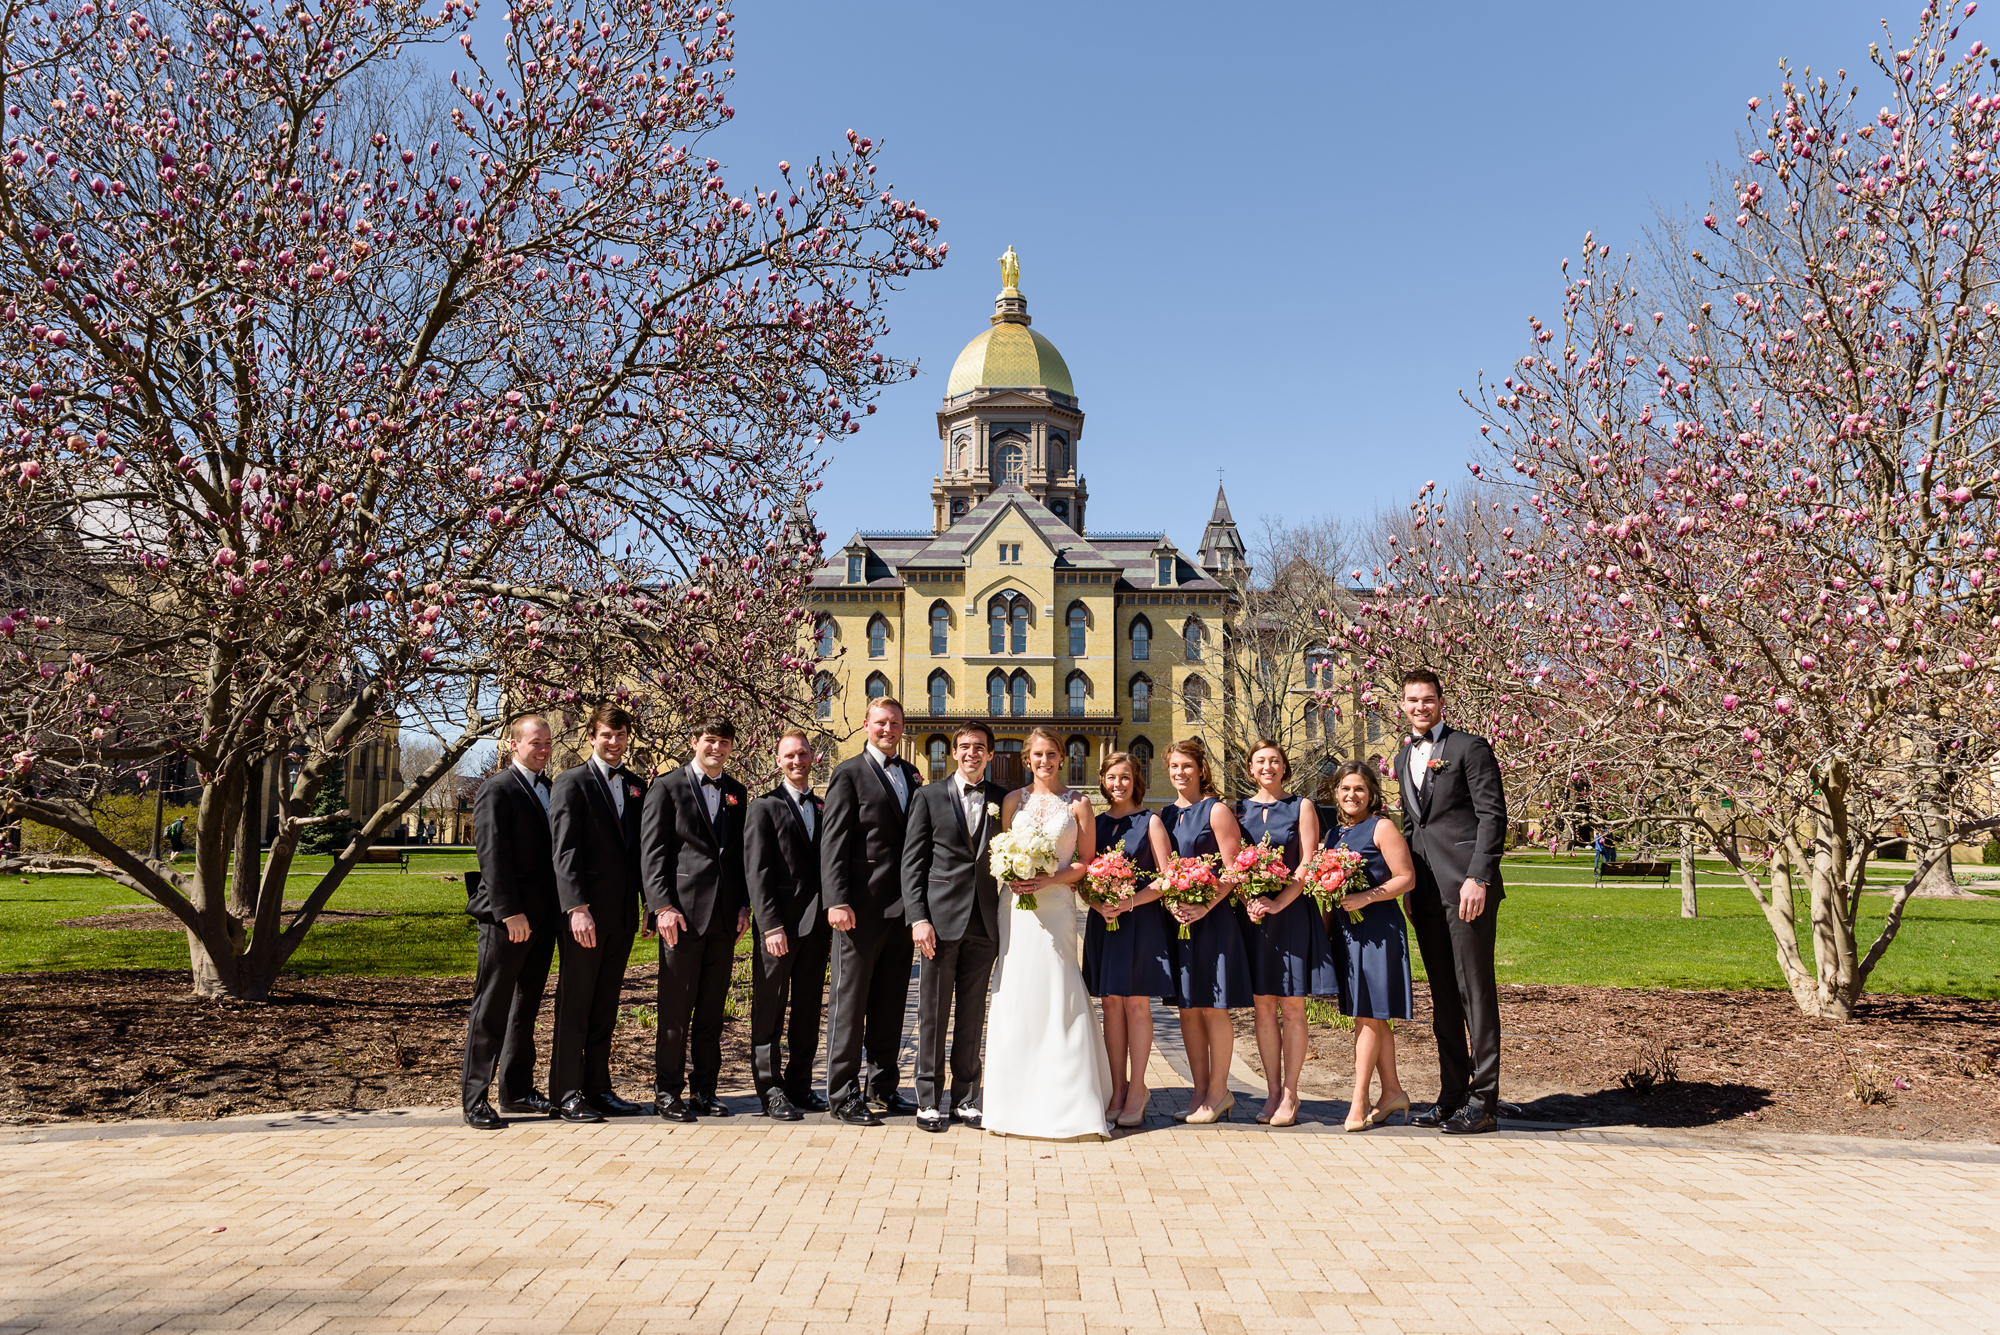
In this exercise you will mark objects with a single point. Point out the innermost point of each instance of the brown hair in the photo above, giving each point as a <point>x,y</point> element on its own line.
<point>611,716</point>
<point>975,726</point>
<point>1367,772</point>
<point>714,726</point>
<point>1192,748</point>
<point>799,733</point>
<point>1039,731</point>
<point>1424,676</point>
<point>514,729</point>
<point>1266,744</point>
<point>886,702</point>
<point>1124,758</point>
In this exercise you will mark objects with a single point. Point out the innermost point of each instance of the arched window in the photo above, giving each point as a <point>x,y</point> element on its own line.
<point>1020,693</point>
<point>823,695</point>
<point>996,637</point>
<point>1191,638</point>
<point>1007,607</point>
<point>996,693</point>
<point>878,636</point>
<point>823,637</point>
<point>940,692</point>
<point>1058,456</point>
<point>963,454</point>
<point>939,751</point>
<point>1010,463</point>
<point>878,686</point>
<point>1020,625</point>
<point>1141,752</point>
<point>1079,693</point>
<point>1374,728</point>
<point>1142,699</point>
<point>1079,759</point>
<point>1194,696</point>
<point>1319,672</point>
<point>1312,723</point>
<point>1079,626</point>
<point>940,628</point>
<point>1142,639</point>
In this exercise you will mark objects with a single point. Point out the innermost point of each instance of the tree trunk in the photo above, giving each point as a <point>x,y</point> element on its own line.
<point>1687,872</point>
<point>1941,881</point>
<point>247,869</point>
<point>230,979</point>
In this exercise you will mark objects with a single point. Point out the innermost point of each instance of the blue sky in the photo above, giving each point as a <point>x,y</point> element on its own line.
<point>1275,238</point>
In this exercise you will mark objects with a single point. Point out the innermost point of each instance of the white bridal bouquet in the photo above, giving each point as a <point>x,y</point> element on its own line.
<point>1020,853</point>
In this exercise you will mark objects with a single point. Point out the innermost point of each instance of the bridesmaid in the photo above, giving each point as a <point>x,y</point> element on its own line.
<point>1290,956</point>
<point>1211,970</point>
<point>1376,987</point>
<point>1129,967</point>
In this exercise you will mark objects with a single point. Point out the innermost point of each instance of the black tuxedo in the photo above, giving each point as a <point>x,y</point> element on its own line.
<point>517,875</point>
<point>861,867</point>
<point>694,865</point>
<point>781,865</point>
<point>1457,828</point>
<point>597,867</point>
<point>948,882</point>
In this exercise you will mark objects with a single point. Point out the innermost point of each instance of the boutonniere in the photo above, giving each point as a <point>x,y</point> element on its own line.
<point>992,810</point>
<point>1437,764</point>
<point>729,799</point>
<point>632,790</point>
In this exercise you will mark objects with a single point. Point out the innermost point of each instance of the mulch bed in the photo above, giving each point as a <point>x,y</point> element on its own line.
<point>122,1044</point>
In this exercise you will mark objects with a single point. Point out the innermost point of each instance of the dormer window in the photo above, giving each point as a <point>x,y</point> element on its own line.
<point>1228,559</point>
<point>857,567</point>
<point>1166,571</point>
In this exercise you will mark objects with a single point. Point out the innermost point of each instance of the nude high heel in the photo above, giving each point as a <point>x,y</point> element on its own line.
<point>1220,1114</point>
<point>1383,1111</point>
<point>1135,1119</point>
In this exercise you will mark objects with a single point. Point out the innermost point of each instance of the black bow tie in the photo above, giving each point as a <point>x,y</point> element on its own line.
<point>542,781</point>
<point>707,782</point>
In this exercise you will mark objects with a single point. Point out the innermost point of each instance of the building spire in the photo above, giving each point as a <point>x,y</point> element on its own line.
<point>1222,550</point>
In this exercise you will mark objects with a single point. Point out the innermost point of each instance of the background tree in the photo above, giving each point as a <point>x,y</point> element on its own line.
<point>1756,484</point>
<point>364,396</point>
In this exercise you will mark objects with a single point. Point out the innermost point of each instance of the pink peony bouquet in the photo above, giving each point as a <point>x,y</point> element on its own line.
<point>1189,881</point>
<point>1111,878</point>
<point>1261,872</point>
<point>1331,873</point>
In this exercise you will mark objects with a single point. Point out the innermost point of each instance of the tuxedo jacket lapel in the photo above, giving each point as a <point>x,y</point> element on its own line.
<point>601,794</point>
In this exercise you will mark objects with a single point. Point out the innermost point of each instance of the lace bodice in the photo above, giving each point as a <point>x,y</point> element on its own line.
<point>1052,815</point>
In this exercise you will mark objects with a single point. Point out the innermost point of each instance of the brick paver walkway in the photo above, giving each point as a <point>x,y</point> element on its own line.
<point>744,1225</point>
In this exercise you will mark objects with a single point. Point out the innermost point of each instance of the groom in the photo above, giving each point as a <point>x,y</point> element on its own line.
<point>953,904</point>
<point>1455,817</point>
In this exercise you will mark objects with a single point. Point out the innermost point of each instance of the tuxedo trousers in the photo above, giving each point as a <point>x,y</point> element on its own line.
<point>694,991</point>
<point>787,995</point>
<point>864,1023</point>
<point>587,990</point>
<point>1465,1001</point>
<point>952,987</point>
<point>506,998</point>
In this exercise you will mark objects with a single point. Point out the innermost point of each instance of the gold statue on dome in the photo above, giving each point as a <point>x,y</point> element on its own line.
<point>1010,270</point>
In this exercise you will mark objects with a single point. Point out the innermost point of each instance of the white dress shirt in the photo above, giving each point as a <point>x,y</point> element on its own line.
<point>799,796</point>
<point>611,781</point>
<point>973,802</point>
<point>711,794</point>
<point>1420,755</point>
<point>535,785</point>
<point>894,773</point>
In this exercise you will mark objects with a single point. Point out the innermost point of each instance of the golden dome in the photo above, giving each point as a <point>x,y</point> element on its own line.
<point>1010,355</point>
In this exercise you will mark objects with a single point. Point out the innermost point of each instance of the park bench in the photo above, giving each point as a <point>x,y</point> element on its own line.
<point>1635,871</point>
<point>396,855</point>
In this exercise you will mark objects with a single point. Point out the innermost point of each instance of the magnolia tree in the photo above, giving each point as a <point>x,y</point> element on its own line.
<point>1754,519</point>
<point>348,394</point>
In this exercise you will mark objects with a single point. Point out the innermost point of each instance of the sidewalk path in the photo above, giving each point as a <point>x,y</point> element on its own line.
<point>748,1226</point>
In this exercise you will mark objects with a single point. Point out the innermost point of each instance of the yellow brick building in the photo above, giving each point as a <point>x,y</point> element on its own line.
<point>1010,608</point>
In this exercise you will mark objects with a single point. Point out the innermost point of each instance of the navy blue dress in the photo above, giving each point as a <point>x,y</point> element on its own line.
<point>1133,961</point>
<point>1211,967</point>
<point>1375,981</point>
<point>1290,954</point>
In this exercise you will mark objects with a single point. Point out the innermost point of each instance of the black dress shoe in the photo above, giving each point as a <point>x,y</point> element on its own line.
<point>613,1106</point>
<point>893,1105</point>
<point>534,1103</point>
<point>779,1108</point>
<point>674,1108</point>
<point>481,1117</point>
<point>707,1105</point>
<point>576,1109</point>
<point>970,1116</point>
<point>855,1112</point>
<point>806,1101</point>
<point>1471,1120</point>
<point>1435,1116</point>
<point>930,1119</point>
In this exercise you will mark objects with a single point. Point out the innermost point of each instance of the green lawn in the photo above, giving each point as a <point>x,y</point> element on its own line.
<point>1627,935</point>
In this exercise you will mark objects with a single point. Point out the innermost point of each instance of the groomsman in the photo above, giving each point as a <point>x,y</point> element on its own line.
<point>692,851</point>
<point>861,864</point>
<point>781,862</point>
<point>1455,817</point>
<point>517,912</point>
<point>953,905</point>
<point>594,816</point>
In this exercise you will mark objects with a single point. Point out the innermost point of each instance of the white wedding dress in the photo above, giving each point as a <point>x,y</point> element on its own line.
<point>1047,1074</point>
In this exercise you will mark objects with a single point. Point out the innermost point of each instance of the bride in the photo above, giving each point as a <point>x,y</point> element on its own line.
<point>1046,1071</point>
